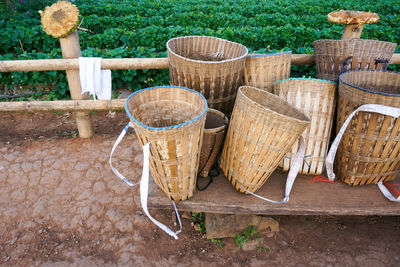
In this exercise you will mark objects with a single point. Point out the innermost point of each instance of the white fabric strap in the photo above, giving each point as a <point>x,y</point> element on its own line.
<point>330,158</point>
<point>144,190</point>
<point>294,169</point>
<point>387,193</point>
<point>116,172</point>
<point>94,80</point>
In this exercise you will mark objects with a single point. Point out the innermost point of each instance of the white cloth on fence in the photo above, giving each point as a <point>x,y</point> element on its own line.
<point>94,80</point>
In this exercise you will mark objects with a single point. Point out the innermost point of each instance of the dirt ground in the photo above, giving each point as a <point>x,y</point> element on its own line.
<point>60,205</point>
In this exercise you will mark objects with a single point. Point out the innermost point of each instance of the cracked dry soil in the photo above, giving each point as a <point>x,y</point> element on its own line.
<point>61,205</point>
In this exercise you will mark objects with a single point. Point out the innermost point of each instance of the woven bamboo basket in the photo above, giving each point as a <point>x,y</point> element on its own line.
<point>172,119</point>
<point>335,56</point>
<point>262,70</point>
<point>209,65</point>
<point>316,99</point>
<point>369,151</point>
<point>214,132</point>
<point>263,128</point>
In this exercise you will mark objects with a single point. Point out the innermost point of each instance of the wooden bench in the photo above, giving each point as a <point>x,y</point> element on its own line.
<point>317,198</point>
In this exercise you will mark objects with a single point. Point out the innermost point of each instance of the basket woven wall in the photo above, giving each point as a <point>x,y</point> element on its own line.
<point>262,130</point>
<point>262,70</point>
<point>369,151</point>
<point>172,119</point>
<point>209,65</point>
<point>316,99</point>
<point>214,132</point>
<point>331,55</point>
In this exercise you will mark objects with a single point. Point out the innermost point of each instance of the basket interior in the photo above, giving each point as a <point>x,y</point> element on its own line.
<point>204,48</point>
<point>272,102</point>
<point>374,81</point>
<point>165,106</point>
<point>213,121</point>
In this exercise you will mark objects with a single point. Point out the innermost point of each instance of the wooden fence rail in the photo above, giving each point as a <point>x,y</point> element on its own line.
<point>123,63</point>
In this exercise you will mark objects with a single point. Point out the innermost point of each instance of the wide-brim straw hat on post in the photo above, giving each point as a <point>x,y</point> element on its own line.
<point>263,70</point>
<point>263,128</point>
<point>333,57</point>
<point>316,99</point>
<point>214,133</point>
<point>212,66</point>
<point>368,143</point>
<point>172,120</point>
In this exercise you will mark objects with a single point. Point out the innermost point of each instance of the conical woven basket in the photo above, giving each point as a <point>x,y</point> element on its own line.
<point>172,119</point>
<point>214,132</point>
<point>263,128</point>
<point>331,56</point>
<point>209,65</point>
<point>316,99</point>
<point>369,151</point>
<point>262,70</point>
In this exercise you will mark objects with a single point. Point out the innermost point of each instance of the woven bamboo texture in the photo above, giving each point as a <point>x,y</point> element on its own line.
<point>214,132</point>
<point>262,70</point>
<point>369,151</point>
<point>262,130</point>
<point>316,99</point>
<point>172,119</point>
<point>331,55</point>
<point>212,66</point>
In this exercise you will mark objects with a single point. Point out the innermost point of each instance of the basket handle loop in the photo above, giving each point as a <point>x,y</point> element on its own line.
<point>347,62</point>
<point>330,158</point>
<point>294,169</point>
<point>382,61</point>
<point>115,171</point>
<point>144,191</point>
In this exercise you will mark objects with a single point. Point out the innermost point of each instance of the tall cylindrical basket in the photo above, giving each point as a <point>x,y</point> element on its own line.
<point>262,70</point>
<point>316,99</point>
<point>262,130</point>
<point>212,66</point>
<point>214,132</point>
<point>369,151</point>
<point>335,56</point>
<point>171,119</point>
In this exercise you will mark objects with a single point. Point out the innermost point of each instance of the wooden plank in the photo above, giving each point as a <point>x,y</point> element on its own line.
<point>62,105</point>
<point>123,63</point>
<point>319,198</point>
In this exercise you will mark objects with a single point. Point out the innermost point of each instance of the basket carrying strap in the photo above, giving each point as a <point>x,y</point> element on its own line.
<point>144,183</point>
<point>115,171</point>
<point>294,169</point>
<point>330,158</point>
<point>144,191</point>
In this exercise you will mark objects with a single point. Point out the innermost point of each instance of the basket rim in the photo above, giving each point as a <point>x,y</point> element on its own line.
<point>204,61</point>
<point>167,127</point>
<point>366,90</point>
<point>308,79</point>
<point>270,54</point>
<point>221,115</point>
<point>300,120</point>
<point>350,40</point>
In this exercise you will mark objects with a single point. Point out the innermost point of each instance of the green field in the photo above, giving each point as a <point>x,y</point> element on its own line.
<point>121,28</point>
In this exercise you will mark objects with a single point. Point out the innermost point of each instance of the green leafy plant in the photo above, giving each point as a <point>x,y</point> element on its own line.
<point>199,219</point>
<point>250,232</point>
<point>218,241</point>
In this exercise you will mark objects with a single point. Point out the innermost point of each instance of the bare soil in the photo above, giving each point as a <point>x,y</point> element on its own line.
<point>53,225</point>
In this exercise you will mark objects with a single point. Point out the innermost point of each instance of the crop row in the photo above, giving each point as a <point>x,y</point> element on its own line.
<point>122,28</point>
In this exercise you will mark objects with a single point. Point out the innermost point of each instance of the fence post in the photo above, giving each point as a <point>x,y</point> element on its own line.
<point>71,49</point>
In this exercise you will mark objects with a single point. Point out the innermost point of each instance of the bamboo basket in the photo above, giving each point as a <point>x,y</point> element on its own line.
<point>262,70</point>
<point>335,56</point>
<point>262,130</point>
<point>369,151</point>
<point>316,99</point>
<point>172,119</point>
<point>212,66</point>
<point>214,132</point>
